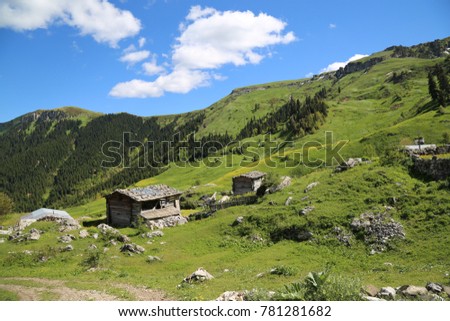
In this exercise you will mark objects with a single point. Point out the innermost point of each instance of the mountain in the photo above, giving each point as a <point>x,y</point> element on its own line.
<point>54,157</point>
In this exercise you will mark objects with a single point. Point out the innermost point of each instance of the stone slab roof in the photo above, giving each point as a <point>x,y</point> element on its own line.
<point>160,213</point>
<point>252,175</point>
<point>149,193</point>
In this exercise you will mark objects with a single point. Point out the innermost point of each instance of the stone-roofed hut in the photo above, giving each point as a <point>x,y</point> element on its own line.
<point>248,182</point>
<point>125,206</point>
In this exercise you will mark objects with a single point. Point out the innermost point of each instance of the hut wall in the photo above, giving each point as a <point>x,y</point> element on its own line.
<point>119,210</point>
<point>242,185</point>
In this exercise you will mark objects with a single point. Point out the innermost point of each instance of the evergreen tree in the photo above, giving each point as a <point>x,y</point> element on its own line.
<point>432,87</point>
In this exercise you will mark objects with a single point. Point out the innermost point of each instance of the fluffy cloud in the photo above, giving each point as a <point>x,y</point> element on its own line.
<point>210,39</point>
<point>152,68</point>
<point>336,65</point>
<point>134,57</point>
<point>90,17</point>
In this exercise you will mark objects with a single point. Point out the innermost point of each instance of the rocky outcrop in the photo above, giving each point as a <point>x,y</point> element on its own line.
<point>285,182</point>
<point>153,234</point>
<point>378,229</point>
<point>357,66</point>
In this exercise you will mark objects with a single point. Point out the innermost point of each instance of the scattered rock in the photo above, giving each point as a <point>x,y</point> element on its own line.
<point>446,289</point>
<point>350,163</point>
<point>272,203</point>
<point>66,238</point>
<point>83,234</point>
<point>378,229</point>
<point>238,221</point>
<point>387,293</point>
<point>198,276</point>
<point>412,290</point>
<point>112,242</point>
<point>231,296</point>
<point>256,238</point>
<point>151,235</point>
<point>435,288</point>
<point>304,198</point>
<point>106,229</point>
<point>151,258</point>
<point>132,248</point>
<point>306,210</point>
<point>95,236</point>
<point>67,248</point>
<point>288,201</point>
<point>34,235</point>
<point>27,252</point>
<point>371,290</point>
<point>260,275</point>
<point>123,238</point>
<point>226,270</point>
<point>67,225</point>
<point>92,247</point>
<point>285,182</point>
<point>311,186</point>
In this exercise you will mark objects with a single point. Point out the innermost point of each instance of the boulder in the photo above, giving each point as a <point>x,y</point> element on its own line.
<point>371,290</point>
<point>371,298</point>
<point>167,222</point>
<point>387,293</point>
<point>92,247</point>
<point>412,290</point>
<point>198,276</point>
<point>106,229</point>
<point>446,289</point>
<point>123,238</point>
<point>83,234</point>
<point>238,221</point>
<point>67,225</point>
<point>34,235</point>
<point>132,248</point>
<point>435,288</point>
<point>311,186</point>
<point>285,182</point>
<point>231,296</point>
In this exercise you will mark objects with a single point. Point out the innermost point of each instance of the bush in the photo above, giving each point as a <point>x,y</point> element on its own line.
<point>322,286</point>
<point>6,204</point>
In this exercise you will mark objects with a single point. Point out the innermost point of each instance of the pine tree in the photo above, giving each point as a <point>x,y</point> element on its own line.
<point>432,87</point>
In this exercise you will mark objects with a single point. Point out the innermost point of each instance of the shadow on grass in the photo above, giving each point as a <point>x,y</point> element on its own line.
<point>94,222</point>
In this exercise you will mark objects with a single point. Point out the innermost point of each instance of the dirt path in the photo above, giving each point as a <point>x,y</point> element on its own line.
<point>56,290</point>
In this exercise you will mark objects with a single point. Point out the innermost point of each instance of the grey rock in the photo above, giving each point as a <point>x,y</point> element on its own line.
<point>153,234</point>
<point>285,182</point>
<point>83,234</point>
<point>123,238</point>
<point>170,221</point>
<point>132,248</point>
<point>288,201</point>
<point>311,186</point>
<point>412,290</point>
<point>34,235</point>
<point>231,296</point>
<point>387,293</point>
<point>151,258</point>
<point>200,275</point>
<point>67,248</point>
<point>306,210</point>
<point>371,290</point>
<point>95,236</point>
<point>371,298</point>
<point>435,288</point>
<point>92,247</point>
<point>66,238</point>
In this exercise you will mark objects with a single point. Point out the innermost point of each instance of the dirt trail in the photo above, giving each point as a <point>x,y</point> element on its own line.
<point>56,290</point>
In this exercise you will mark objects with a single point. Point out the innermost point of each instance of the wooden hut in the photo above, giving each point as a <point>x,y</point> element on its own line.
<point>125,206</point>
<point>248,182</point>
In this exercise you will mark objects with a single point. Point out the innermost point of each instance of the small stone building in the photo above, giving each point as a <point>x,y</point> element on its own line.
<point>248,182</point>
<point>125,206</point>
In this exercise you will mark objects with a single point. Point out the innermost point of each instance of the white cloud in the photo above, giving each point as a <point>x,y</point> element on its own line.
<point>135,56</point>
<point>210,39</point>
<point>332,26</point>
<point>141,42</point>
<point>152,68</point>
<point>336,65</point>
<point>98,18</point>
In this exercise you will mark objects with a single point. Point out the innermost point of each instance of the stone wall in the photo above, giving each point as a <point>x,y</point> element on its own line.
<point>435,168</point>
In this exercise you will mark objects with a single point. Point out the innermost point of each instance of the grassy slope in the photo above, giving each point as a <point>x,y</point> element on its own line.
<point>365,108</point>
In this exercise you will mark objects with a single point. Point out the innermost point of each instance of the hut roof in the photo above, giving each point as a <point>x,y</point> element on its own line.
<point>252,175</point>
<point>46,212</point>
<point>149,193</point>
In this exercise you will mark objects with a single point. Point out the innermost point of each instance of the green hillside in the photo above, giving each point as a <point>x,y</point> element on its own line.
<point>374,105</point>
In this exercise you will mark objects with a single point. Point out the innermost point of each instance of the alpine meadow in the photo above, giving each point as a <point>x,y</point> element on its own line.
<point>349,195</point>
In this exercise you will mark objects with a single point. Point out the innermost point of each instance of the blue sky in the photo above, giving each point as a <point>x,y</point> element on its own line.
<point>154,57</point>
